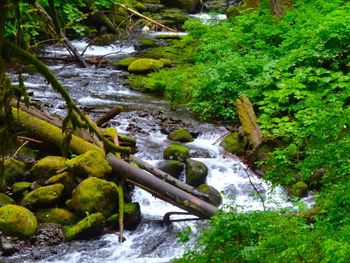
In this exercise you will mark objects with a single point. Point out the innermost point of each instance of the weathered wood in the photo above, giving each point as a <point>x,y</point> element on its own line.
<point>168,178</point>
<point>109,115</point>
<point>160,188</point>
<point>248,119</point>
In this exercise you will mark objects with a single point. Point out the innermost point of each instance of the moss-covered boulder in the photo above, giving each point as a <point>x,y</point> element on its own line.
<point>231,12</point>
<point>21,187</point>
<point>148,42</point>
<point>180,135</point>
<point>215,197</point>
<point>65,178</point>
<point>90,163</point>
<point>17,221</point>
<point>55,215</point>
<point>43,196</point>
<point>234,143</point>
<point>176,152</point>
<point>5,200</point>
<point>299,189</point>
<point>196,172</point>
<point>95,195</point>
<point>47,167</point>
<point>145,65</point>
<point>91,226</point>
<point>172,167</point>
<point>132,217</point>
<point>166,62</point>
<point>13,170</point>
<point>125,62</point>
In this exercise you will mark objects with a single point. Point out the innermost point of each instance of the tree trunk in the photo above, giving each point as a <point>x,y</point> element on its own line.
<point>160,188</point>
<point>252,4</point>
<point>276,8</point>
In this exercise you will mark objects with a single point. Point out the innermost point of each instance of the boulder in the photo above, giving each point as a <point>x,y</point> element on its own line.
<point>5,200</point>
<point>176,152</point>
<point>67,179</point>
<point>90,163</point>
<point>43,196</point>
<point>21,187</point>
<point>232,12</point>
<point>91,226</point>
<point>125,62</point>
<point>180,135</point>
<point>55,215</point>
<point>215,197</point>
<point>172,167</point>
<point>95,195</point>
<point>299,189</point>
<point>17,221</point>
<point>132,217</point>
<point>147,42</point>
<point>196,172</point>
<point>234,143</point>
<point>145,65</point>
<point>47,167</point>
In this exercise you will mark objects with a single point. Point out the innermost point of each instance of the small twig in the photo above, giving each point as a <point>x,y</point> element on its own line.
<point>20,148</point>
<point>221,137</point>
<point>29,139</point>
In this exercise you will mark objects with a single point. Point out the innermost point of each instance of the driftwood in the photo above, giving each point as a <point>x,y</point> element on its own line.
<point>160,188</point>
<point>248,119</point>
<point>109,115</point>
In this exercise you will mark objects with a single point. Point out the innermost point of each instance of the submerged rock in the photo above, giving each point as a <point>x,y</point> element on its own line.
<point>176,152</point>
<point>215,197</point>
<point>145,65</point>
<point>90,163</point>
<point>43,196</point>
<point>17,221</point>
<point>56,215</point>
<point>95,195</point>
<point>234,143</point>
<point>87,228</point>
<point>196,172</point>
<point>180,135</point>
<point>47,167</point>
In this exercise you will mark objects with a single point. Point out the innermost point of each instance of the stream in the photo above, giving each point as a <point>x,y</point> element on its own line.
<point>97,88</point>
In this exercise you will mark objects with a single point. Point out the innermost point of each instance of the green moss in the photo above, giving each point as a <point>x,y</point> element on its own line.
<point>55,215</point>
<point>95,195</point>
<point>125,62</point>
<point>172,167</point>
<point>215,197</point>
<point>234,143</point>
<point>145,65</point>
<point>176,152</point>
<point>91,163</point>
<point>166,62</point>
<point>196,172</point>
<point>232,12</point>
<point>66,178</point>
<point>43,196</point>
<point>140,7</point>
<point>47,167</point>
<point>299,189</point>
<point>104,40</point>
<point>147,42</point>
<point>17,221</point>
<point>5,200</point>
<point>14,170</point>
<point>132,217</point>
<point>180,135</point>
<point>21,187</point>
<point>87,228</point>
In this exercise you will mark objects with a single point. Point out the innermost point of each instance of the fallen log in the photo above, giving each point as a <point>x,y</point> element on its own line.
<point>160,188</point>
<point>109,115</point>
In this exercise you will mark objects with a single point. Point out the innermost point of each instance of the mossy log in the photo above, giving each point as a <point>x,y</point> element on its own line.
<point>161,189</point>
<point>248,119</point>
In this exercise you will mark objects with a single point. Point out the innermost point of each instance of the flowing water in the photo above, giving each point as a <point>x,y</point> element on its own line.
<point>98,88</point>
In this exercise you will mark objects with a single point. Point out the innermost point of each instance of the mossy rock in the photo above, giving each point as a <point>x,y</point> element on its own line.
<point>127,141</point>
<point>55,215</point>
<point>65,178</point>
<point>5,200</point>
<point>140,7</point>
<point>232,12</point>
<point>109,133</point>
<point>189,5</point>
<point>196,172</point>
<point>215,197</point>
<point>145,65</point>
<point>43,196</point>
<point>125,62</point>
<point>299,189</point>
<point>17,221</point>
<point>235,143</point>
<point>172,167</point>
<point>95,195</point>
<point>90,227</point>
<point>104,40</point>
<point>47,167</point>
<point>174,17</point>
<point>180,135</point>
<point>90,163</point>
<point>166,62</point>
<point>13,170</point>
<point>132,217</point>
<point>176,152</point>
<point>21,187</point>
<point>149,1</point>
<point>147,42</point>
<point>141,83</point>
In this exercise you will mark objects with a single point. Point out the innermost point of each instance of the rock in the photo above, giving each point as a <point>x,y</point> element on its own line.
<point>47,167</point>
<point>140,7</point>
<point>91,226</point>
<point>48,234</point>
<point>17,221</point>
<point>90,163</point>
<point>43,196</point>
<point>55,215</point>
<point>147,42</point>
<point>215,197</point>
<point>232,12</point>
<point>67,179</point>
<point>166,62</point>
<point>125,62</point>
<point>104,40</point>
<point>299,189</point>
<point>5,200</point>
<point>176,152</point>
<point>21,187</point>
<point>173,17</point>
<point>145,65</point>
<point>180,135</point>
<point>196,172</point>
<point>13,170</point>
<point>234,143</point>
<point>132,217</point>
<point>189,5</point>
<point>95,195</point>
<point>154,8</point>
<point>172,167</point>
